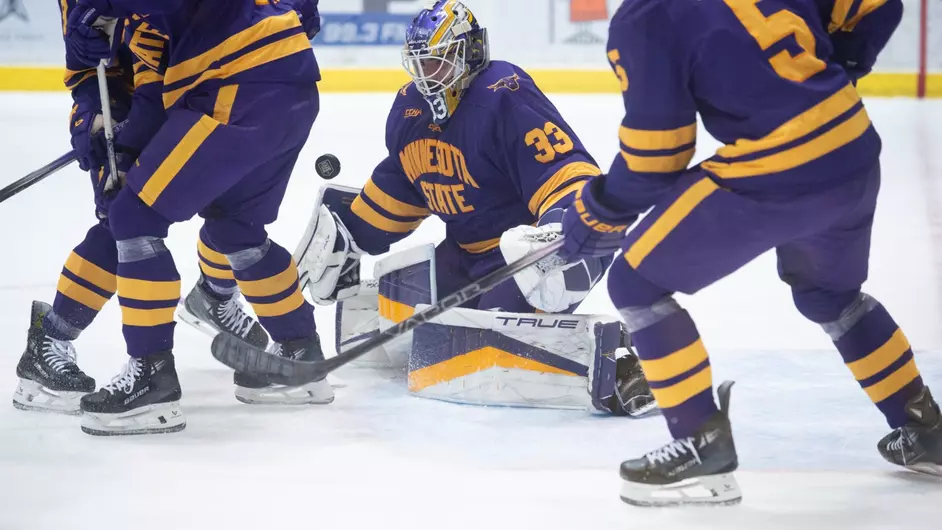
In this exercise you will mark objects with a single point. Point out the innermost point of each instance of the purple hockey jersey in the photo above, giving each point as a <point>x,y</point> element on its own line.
<point>773,80</point>
<point>214,43</point>
<point>504,159</point>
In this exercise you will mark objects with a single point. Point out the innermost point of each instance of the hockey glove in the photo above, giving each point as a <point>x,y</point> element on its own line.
<point>310,18</point>
<point>88,137</point>
<point>84,36</point>
<point>107,188</point>
<point>590,229</point>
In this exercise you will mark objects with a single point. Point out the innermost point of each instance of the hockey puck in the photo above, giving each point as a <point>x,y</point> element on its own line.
<point>327,166</point>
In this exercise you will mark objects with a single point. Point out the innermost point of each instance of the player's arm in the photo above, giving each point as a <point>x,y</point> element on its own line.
<point>147,114</point>
<point>549,164</point>
<point>342,229</point>
<point>860,30</point>
<point>387,209</point>
<point>545,157</point>
<point>657,133</point>
<point>85,121</point>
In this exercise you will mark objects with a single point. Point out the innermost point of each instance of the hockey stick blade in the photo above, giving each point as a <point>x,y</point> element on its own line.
<point>245,358</point>
<point>37,176</point>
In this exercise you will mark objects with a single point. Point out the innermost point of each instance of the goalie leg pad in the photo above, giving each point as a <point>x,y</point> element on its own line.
<point>507,359</point>
<point>406,280</point>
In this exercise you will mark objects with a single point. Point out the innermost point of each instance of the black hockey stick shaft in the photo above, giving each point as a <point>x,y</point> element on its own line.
<point>37,175</point>
<point>239,355</point>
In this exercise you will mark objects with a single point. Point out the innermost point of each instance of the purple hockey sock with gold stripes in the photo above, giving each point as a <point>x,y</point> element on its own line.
<point>217,273</point>
<point>268,278</point>
<point>881,359</point>
<point>677,367</point>
<point>86,284</point>
<point>148,290</point>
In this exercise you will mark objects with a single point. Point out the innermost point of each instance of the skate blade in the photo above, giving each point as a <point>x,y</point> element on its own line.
<point>710,490</point>
<point>645,411</point>
<point>316,393</point>
<point>160,418</point>
<point>926,468</point>
<point>32,396</point>
<point>195,322</point>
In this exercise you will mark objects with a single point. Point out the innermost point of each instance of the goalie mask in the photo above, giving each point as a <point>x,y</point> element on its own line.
<point>445,49</point>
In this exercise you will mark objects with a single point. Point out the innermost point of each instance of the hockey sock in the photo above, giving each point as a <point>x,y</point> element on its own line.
<point>268,278</point>
<point>217,275</point>
<point>86,284</point>
<point>148,290</point>
<point>881,359</point>
<point>677,367</point>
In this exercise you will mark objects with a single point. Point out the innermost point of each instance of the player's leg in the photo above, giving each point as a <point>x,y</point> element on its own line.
<point>696,235</point>
<point>145,397</point>
<point>181,169</point>
<point>49,377</point>
<point>265,271</point>
<point>825,272</point>
<point>268,278</point>
<point>214,305</point>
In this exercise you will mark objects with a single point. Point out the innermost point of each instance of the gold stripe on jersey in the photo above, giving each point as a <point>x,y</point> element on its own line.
<point>658,164</point>
<point>391,204</point>
<point>866,7</point>
<point>74,78</point>
<point>565,174</point>
<point>264,55</point>
<point>799,126</point>
<point>146,76</point>
<point>377,220</point>
<point>481,246</point>
<point>839,14</point>
<point>551,201</point>
<point>649,140</point>
<point>832,140</point>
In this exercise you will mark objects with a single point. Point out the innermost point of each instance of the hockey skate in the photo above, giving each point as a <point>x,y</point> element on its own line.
<point>49,378</point>
<point>634,395</point>
<point>212,315</point>
<point>918,444</point>
<point>697,470</point>
<point>256,391</point>
<point>145,399</point>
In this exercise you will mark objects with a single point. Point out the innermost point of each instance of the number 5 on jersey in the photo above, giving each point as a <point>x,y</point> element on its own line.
<point>546,149</point>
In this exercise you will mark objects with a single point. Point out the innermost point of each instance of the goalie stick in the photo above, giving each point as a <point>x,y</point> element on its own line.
<point>243,357</point>
<point>37,175</point>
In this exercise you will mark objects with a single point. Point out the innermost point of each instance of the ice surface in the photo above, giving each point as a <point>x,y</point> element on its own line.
<point>377,458</point>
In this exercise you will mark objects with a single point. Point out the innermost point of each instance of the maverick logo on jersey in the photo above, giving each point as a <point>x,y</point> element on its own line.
<point>511,83</point>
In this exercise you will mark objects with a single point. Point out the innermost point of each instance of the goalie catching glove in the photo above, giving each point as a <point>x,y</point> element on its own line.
<point>328,259</point>
<point>552,285</point>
